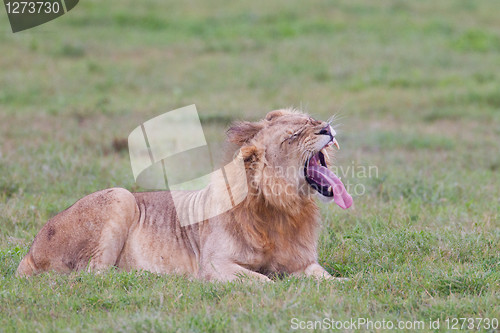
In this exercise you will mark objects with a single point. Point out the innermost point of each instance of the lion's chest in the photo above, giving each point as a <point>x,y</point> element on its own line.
<point>279,256</point>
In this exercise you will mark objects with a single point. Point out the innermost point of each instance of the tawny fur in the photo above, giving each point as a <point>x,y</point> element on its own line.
<point>272,231</point>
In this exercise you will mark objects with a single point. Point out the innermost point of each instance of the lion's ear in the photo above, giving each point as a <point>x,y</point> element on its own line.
<point>242,132</point>
<point>274,114</point>
<point>278,113</point>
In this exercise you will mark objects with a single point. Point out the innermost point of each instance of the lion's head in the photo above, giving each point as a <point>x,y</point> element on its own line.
<point>286,156</point>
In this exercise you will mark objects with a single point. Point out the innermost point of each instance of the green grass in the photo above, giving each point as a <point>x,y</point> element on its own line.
<point>418,94</point>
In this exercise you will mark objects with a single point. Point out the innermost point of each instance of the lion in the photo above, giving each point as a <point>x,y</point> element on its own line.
<point>271,232</point>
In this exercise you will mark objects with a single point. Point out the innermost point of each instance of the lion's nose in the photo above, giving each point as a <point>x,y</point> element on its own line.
<point>327,130</point>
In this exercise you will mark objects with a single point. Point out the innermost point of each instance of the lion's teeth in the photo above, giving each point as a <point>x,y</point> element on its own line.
<point>330,189</point>
<point>325,154</point>
<point>336,144</point>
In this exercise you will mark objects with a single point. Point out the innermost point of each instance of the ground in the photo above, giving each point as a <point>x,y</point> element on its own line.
<point>416,91</point>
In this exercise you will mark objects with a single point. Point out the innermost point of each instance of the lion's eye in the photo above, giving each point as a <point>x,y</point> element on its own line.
<point>291,137</point>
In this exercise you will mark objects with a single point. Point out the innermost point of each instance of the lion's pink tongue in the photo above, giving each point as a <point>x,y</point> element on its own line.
<point>325,177</point>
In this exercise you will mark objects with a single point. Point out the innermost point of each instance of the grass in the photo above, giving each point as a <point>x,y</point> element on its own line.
<point>418,95</point>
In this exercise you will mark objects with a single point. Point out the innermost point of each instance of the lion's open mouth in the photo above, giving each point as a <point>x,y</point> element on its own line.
<point>325,181</point>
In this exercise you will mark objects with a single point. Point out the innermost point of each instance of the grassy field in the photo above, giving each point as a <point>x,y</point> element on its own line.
<point>417,88</point>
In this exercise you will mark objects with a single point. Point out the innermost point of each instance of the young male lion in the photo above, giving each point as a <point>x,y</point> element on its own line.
<point>272,231</point>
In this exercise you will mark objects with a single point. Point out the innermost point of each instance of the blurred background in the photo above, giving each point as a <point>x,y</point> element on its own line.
<point>415,86</point>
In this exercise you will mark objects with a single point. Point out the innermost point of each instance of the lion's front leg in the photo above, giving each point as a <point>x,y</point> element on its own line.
<point>318,272</point>
<point>225,272</point>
